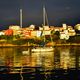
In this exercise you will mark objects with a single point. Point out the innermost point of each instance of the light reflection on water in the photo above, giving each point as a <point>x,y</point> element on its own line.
<point>60,58</point>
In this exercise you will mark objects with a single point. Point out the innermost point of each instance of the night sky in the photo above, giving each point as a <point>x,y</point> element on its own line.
<point>58,11</point>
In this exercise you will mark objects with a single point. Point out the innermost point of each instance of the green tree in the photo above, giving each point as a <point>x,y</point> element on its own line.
<point>55,35</point>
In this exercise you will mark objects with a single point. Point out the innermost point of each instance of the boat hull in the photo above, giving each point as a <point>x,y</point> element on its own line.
<point>44,49</point>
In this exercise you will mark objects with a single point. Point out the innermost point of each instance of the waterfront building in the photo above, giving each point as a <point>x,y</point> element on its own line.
<point>72,33</point>
<point>14,27</point>
<point>64,36</point>
<point>9,32</point>
<point>47,32</point>
<point>64,26</point>
<point>25,33</point>
<point>32,27</point>
<point>38,33</point>
<point>56,28</point>
<point>40,28</point>
<point>69,28</point>
<point>77,26</point>
<point>2,33</point>
<point>66,32</point>
<point>46,28</point>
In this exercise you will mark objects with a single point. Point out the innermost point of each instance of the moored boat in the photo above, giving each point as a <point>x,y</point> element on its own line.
<point>42,49</point>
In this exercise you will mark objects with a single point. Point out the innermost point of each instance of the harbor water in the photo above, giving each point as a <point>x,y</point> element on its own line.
<point>20,63</point>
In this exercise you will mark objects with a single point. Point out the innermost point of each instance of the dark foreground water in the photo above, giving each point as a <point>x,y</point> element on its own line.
<point>61,64</point>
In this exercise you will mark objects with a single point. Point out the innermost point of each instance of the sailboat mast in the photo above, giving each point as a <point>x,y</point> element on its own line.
<point>44,21</point>
<point>21,18</point>
<point>43,15</point>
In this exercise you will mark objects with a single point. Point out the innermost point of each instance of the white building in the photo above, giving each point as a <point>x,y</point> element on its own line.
<point>2,33</point>
<point>47,32</point>
<point>32,27</point>
<point>72,33</point>
<point>14,27</point>
<point>64,36</point>
<point>64,26</point>
<point>77,26</point>
<point>46,27</point>
<point>38,33</point>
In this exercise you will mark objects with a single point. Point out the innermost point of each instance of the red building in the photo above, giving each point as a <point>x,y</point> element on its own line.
<point>8,32</point>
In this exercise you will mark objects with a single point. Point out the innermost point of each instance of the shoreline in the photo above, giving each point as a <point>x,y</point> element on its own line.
<point>54,45</point>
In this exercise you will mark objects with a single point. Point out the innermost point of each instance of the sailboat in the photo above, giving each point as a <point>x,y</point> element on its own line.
<point>44,48</point>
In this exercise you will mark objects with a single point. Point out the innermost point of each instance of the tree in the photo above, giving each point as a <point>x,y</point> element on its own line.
<point>55,35</point>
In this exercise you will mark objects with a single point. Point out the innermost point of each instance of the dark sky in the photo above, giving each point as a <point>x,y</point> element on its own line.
<point>58,11</point>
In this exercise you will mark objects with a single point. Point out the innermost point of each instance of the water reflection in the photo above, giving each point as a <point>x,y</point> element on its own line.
<point>64,58</point>
<point>60,58</point>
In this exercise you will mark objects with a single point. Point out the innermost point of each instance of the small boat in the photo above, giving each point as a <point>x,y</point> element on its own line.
<point>42,49</point>
<point>25,52</point>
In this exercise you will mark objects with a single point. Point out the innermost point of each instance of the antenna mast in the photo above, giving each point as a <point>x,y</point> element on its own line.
<point>21,18</point>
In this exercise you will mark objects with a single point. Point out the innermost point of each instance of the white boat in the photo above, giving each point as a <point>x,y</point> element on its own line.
<point>42,49</point>
<point>25,52</point>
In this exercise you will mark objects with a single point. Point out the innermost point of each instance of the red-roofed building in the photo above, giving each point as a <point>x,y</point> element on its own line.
<point>8,32</point>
